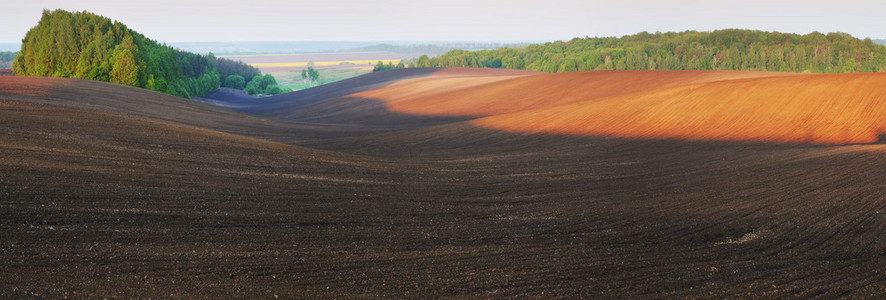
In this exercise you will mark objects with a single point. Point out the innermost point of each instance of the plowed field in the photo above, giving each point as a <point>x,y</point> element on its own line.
<point>423,183</point>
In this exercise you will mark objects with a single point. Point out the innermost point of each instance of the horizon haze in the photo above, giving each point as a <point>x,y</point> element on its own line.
<point>459,20</point>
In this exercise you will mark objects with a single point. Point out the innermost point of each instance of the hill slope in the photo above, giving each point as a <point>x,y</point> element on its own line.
<point>506,93</point>
<point>114,191</point>
<point>145,103</point>
<point>696,105</point>
<point>830,109</point>
<point>331,103</point>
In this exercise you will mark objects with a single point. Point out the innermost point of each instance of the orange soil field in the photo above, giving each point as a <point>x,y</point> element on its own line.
<point>530,92</point>
<point>692,105</point>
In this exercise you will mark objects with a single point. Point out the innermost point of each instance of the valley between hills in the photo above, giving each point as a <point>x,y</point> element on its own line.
<point>449,182</point>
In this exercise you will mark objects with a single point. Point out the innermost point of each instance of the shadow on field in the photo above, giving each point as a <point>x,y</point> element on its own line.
<point>283,103</point>
<point>449,210</point>
<point>113,191</point>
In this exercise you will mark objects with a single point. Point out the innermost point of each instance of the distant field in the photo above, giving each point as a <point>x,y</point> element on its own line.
<point>297,62</point>
<point>344,63</point>
<point>293,80</point>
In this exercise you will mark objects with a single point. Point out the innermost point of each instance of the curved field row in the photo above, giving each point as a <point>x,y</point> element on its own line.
<point>113,191</point>
<point>470,96</point>
<point>691,105</point>
<point>828,109</point>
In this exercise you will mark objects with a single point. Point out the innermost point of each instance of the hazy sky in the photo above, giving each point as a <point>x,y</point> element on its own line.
<point>499,20</point>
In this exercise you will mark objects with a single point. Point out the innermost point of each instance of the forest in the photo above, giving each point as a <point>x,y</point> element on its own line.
<point>731,49</point>
<point>88,46</point>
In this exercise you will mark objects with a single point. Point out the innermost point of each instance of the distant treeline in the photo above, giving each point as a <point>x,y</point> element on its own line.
<point>88,46</point>
<point>730,49</point>
<point>381,66</point>
<point>6,59</point>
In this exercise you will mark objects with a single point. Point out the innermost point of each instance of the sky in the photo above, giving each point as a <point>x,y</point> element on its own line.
<point>172,21</point>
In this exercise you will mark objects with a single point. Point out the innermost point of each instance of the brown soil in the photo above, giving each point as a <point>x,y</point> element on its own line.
<point>111,191</point>
<point>499,93</point>
<point>828,109</point>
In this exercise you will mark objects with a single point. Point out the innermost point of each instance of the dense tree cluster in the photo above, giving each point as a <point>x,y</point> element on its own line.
<point>88,46</point>
<point>730,49</point>
<point>381,66</point>
<point>235,82</point>
<point>6,59</point>
<point>264,85</point>
<point>227,68</point>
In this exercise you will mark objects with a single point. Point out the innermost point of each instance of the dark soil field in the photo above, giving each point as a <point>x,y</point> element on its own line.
<point>358,190</point>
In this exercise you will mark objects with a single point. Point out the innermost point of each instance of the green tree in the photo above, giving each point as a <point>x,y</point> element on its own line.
<point>492,63</point>
<point>264,85</point>
<point>251,89</point>
<point>423,62</point>
<point>207,82</point>
<point>235,82</point>
<point>314,75</point>
<point>381,66</point>
<point>227,68</point>
<point>123,67</point>
<point>161,85</point>
<point>310,75</point>
<point>273,90</point>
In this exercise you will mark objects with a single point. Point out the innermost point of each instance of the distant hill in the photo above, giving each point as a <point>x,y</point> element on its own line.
<point>279,47</point>
<point>881,42</point>
<point>423,49</point>
<point>432,49</point>
<point>731,49</point>
<point>88,46</point>
<point>270,47</point>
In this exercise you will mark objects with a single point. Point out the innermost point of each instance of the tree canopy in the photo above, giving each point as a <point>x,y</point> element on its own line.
<point>311,75</point>
<point>88,46</point>
<point>235,82</point>
<point>730,49</point>
<point>264,85</point>
<point>381,66</point>
<point>227,67</point>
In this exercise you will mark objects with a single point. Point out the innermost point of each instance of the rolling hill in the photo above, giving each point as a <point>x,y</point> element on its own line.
<point>693,105</point>
<point>463,183</point>
<point>826,109</point>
